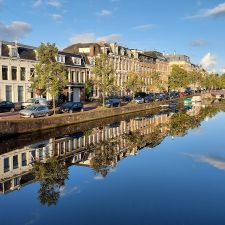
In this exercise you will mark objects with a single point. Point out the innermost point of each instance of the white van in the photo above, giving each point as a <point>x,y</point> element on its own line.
<point>32,101</point>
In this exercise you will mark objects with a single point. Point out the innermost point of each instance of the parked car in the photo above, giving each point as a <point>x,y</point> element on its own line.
<point>114,102</point>
<point>7,106</point>
<point>148,98</point>
<point>35,111</point>
<point>159,96</point>
<point>127,98</point>
<point>139,100</point>
<point>71,107</point>
<point>32,101</point>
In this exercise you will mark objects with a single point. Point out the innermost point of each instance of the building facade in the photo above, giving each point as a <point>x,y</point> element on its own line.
<point>17,66</point>
<point>124,61</point>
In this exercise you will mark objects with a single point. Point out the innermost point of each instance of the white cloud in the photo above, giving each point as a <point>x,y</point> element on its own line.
<point>104,12</point>
<point>217,162</point>
<point>15,31</point>
<point>223,71</point>
<point>34,218</point>
<point>208,62</point>
<point>64,191</point>
<point>91,37</point>
<point>54,3</point>
<point>218,10</point>
<point>98,177</point>
<point>144,27</point>
<point>57,17</point>
<point>37,3</point>
<point>199,43</point>
<point>83,38</point>
<point>110,38</point>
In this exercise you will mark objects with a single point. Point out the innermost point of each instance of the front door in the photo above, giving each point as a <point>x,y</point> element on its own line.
<point>76,94</point>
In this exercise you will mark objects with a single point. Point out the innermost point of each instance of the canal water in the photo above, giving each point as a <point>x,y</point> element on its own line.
<point>159,168</point>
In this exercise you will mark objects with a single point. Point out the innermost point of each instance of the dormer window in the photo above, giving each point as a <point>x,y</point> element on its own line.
<point>14,52</point>
<point>77,61</point>
<point>61,58</point>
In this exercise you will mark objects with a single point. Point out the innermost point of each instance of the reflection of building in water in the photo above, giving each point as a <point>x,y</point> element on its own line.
<point>79,148</point>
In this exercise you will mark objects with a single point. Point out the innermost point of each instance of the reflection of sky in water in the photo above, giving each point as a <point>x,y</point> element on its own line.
<point>181,181</point>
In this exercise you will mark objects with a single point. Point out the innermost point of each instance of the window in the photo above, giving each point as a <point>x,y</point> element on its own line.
<point>61,58</point>
<point>14,73</point>
<point>8,93</point>
<point>6,165</point>
<point>22,73</point>
<point>4,73</point>
<point>40,154</point>
<point>14,52</point>
<point>15,161</point>
<point>24,159</point>
<point>82,78</point>
<point>33,155</point>
<point>77,77</point>
<point>20,93</point>
<point>77,61</point>
<point>16,181</point>
<point>31,72</point>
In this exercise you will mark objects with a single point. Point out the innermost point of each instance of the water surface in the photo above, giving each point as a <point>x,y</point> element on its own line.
<point>161,168</point>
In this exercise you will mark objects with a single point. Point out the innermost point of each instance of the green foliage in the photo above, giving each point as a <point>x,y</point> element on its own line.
<point>178,78</point>
<point>104,156</point>
<point>134,82</point>
<point>156,84</point>
<point>104,78</point>
<point>195,78</point>
<point>88,88</point>
<point>52,176</point>
<point>180,122</point>
<point>50,76</point>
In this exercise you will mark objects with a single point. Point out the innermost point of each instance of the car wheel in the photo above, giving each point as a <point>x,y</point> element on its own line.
<point>32,116</point>
<point>12,110</point>
<point>70,111</point>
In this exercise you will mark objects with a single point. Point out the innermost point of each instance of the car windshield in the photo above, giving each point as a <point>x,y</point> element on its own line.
<point>68,104</point>
<point>32,107</point>
<point>30,100</point>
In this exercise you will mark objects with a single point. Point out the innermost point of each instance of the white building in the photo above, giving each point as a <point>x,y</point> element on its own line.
<point>17,64</point>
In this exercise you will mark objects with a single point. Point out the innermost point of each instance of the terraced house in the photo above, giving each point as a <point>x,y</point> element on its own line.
<point>17,63</point>
<point>125,60</point>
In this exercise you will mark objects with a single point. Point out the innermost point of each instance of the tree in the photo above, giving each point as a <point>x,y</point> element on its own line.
<point>104,76</point>
<point>156,82</point>
<point>50,76</point>
<point>88,88</point>
<point>178,78</point>
<point>134,82</point>
<point>196,78</point>
<point>52,176</point>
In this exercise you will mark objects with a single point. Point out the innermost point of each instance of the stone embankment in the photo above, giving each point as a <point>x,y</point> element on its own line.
<point>18,126</point>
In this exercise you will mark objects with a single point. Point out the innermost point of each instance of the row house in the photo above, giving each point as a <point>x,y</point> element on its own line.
<point>17,66</point>
<point>124,60</point>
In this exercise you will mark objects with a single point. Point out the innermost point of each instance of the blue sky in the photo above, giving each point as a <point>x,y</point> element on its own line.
<point>193,27</point>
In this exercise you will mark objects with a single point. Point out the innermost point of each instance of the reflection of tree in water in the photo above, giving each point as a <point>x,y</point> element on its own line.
<point>180,122</point>
<point>104,156</point>
<point>52,176</point>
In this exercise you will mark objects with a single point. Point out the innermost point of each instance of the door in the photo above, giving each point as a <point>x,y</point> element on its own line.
<point>76,94</point>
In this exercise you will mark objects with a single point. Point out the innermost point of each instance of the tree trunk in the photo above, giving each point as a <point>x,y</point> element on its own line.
<point>133,96</point>
<point>103,99</point>
<point>53,104</point>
